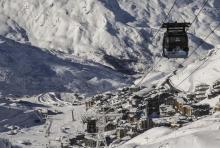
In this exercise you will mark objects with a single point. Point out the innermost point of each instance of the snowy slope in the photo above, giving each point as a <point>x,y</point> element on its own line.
<point>57,128</point>
<point>28,70</point>
<point>204,71</point>
<point>114,33</point>
<point>91,46</point>
<point>5,144</point>
<point>207,21</point>
<point>89,29</point>
<point>94,28</point>
<point>15,116</point>
<point>203,133</point>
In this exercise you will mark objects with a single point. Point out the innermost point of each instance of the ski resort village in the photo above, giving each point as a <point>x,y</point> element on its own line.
<point>109,119</point>
<point>109,73</point>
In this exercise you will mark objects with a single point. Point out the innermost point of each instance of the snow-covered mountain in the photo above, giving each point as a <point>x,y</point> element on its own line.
<point>115,33</point>
<point>51,48</point>
<point>98,30</point>
<point>28,70</point>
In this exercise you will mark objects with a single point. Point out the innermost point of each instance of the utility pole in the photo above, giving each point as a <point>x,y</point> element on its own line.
<point>73,119</point>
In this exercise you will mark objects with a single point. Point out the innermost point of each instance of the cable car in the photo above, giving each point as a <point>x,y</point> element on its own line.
<point>175,41</point>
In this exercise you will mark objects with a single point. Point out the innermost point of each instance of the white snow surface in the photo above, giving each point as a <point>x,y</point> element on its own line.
<point>202,71</point>
<point>116,33</point>
<point>58,127</point>
<point>204,133</point>
<point>28,70</point>
<point>90,46</point>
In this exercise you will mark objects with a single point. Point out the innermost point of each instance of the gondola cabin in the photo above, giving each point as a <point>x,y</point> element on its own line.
<point>175,41</point>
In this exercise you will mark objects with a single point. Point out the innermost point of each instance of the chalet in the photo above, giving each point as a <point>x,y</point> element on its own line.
<point>153,110</point>
<point>108,95</point>
<point>121,132</point>
<point>215,91</point>
<point>201,92</point>
<point>99,96</point>
<point>134,127</point>
<point>106,108</point>
<point>180,102</point>
<point>187,110</point>
<point>190,96</point>
<point>91,126</point>
<point>75,139</point>
<point>145,123</point>
<point>166,110</point>
<point>161,122</point>
<point>216,84</point>
<point>201,87</point>
<point>155,99</point>
<point>110,126</point>
<point>135,100</point>
<point>217,107</point>
<point>200,110</point>
<point>131,133</point>
<point>134,89</point>
<point>90,141</point>
<point>199,96</point>
<point>124,89</point>
<point>175,125</point>
<point>170,101</point>
<point>133,117</point>
<point>90,103</point>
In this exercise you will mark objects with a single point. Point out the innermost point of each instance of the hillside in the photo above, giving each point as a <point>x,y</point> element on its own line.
<point>55,55</point>
<point>200,134</point>
<point>113,33</point>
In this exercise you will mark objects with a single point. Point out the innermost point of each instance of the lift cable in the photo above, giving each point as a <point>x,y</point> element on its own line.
<point>148,72</point>
<point>204,60</point>
<point>197,15</point>
<point>167,16</point>
<point>202,42</point>
<point>154,37</point>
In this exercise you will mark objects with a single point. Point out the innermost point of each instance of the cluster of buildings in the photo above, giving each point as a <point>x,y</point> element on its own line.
<point>131,111</point>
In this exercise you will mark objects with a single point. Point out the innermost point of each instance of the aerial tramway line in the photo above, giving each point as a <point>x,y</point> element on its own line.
<point>175,40</point>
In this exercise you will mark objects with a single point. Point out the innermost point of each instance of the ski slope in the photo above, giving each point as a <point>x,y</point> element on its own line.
<point>204,71</point>
<point>203,133</point>
<point>91,46</point>
<point>58,127</point>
